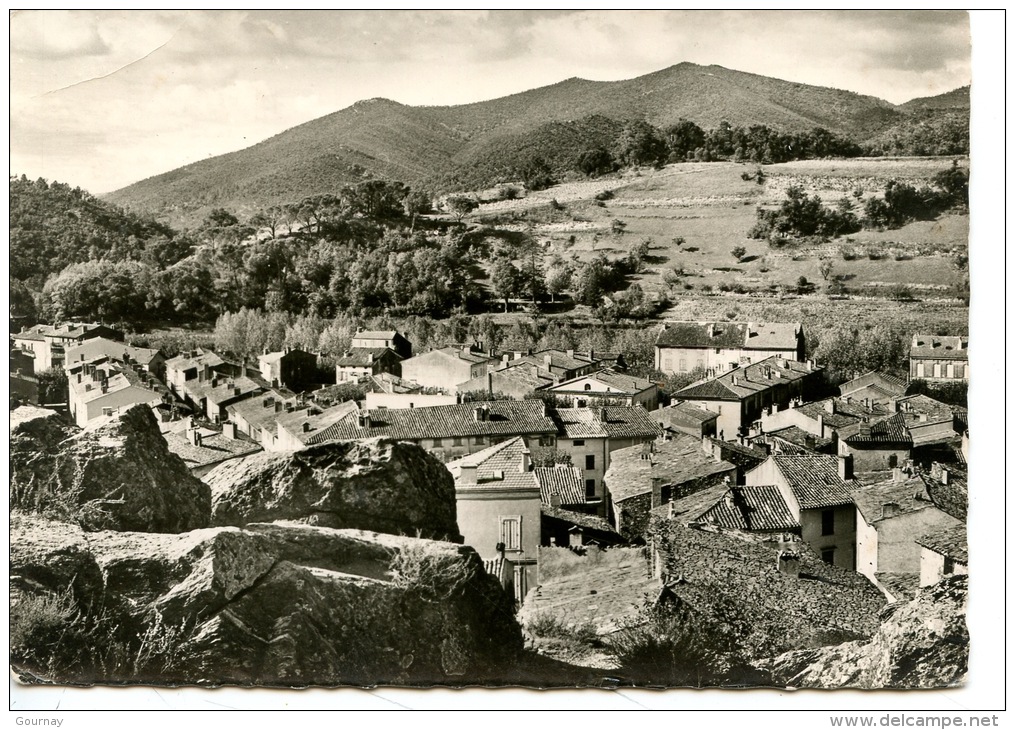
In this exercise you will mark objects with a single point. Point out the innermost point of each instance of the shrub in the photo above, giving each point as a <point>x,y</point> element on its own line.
<point>431,574</point>
<point>549,626</point>
<point>604,195</point>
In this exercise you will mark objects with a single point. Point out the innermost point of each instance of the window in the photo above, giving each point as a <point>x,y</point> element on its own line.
<point>480,441</point>
<point>590,488</point>
<point>937,370</point>
<point>920,371</point>
<point>438,442</point>
<point>588,386</point>
<point>511,532</point>
<point>949,566</point>
<point>457,441</point>
<point>579,442</point>
<point>828,555</point>
<point>828,522</point>
<point>683,365</point>
<point>590,461</point>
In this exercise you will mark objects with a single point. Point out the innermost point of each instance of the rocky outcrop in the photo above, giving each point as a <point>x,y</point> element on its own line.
<point>377,484</point>
<point>283,604</point>
<point>921,644</point>
<point>118,475</point>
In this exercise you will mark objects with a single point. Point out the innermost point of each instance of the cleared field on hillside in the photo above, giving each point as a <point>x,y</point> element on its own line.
<point>712,208</point>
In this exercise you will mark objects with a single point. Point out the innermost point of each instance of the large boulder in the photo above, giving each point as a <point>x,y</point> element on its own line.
<point>377,484</point>
<point>283,604</point>
<point>116,475</point>
<point>921,644</point>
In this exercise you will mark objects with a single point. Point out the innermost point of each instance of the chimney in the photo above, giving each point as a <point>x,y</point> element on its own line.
<point>736,380</point>
<point>79,377</point>
<point>305,426</point>
<point>526,462</point>
<point>548,360</point>
<point>898,476</point>
<point>505,357</point>
<point>710,330</point>
<point>555,499</point>
<point>865,429</point>
<point>363,419</point>
<point>229,430</point>
<point>830,405</point>
<point>602,415</point>
<point>477,413</point>
<point>810,365</point>
<point>788,563</point>
<point>468,474</point>
<point>846,467</point>
<point>923,418</point>
<point>570,353</point>
<point>821,425</point>
<point>657,492</point>
<point>943,476</point>
<point>809,442</point>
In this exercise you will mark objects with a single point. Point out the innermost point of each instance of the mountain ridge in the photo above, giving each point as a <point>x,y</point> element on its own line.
<point>427,146</point>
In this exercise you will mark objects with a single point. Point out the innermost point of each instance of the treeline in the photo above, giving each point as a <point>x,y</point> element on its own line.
<point>597,145</point>
<point>801,215</point>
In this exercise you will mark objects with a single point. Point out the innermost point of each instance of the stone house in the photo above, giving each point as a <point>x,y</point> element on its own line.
<point>879,388</point>
<point>197,365</point>
<point>877,446</point>
<point>381,339</point>
<point>656,472</point>
<point>742,396</point>
<point>791,440</point>
<point>256,417</point>
<point>447,368</point>
<point>100,348</point>
<point>213,395</point>
<point>939,359</point>
<point>824,419</point>
<point>817,490</point>
<point>298,424</point>
<point>362,362</point>
<point>716,347</point>
<point>289,368</point>
<point>930,422</point>
<point>943,553</point>
<point>591,435</point>
<point>49,343</point>
<point>97,391</point>
<point>498,501</point>
<point>517,379</point>
<point>686,418</point>
<point>760,509</point>
<point>606,387</point>
<point>891,516</point>
<point>561,364</point>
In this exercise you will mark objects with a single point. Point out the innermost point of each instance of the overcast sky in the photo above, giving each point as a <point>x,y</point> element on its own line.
<point>101,99</point>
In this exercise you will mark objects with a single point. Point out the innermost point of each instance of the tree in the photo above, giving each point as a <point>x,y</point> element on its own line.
<point>738,252</point>
<point>825,268</point>
<point>641,144</point>
<point>506,279</point>
<point>220,218</point>
<point>617,227</point>
<point>595,162</point>
<point>52,386</point>
<point>558,279</point>
<point>460,206</point>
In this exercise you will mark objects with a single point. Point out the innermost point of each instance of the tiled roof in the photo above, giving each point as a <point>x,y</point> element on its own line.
<point>214,448</point>
<point>683,412</point>
<point>375,335</point>
<point>506,418</point>
<point>907,496</point>
<point>950,542</point>
<point>848,411</point>
<point>317,420</point>
<point>102,346</point>
<point>814,480</point>
<point>497,467</point>
<point>760,508</point>
<point>939,348</point>
<point>225,391</point>
<point>581,519</point>
<point>913,406</point>
<point>676,460</point>
<point>901,586</point>
<point>620,422</point>
<point>729,335</point>
<point>885,382</point>
<point>360,356</point>
<point>28,335</point>
<point>565,481</point>
<point>951,497</point>
<point>687,509</point>
<point>118,378</point>
<point>616,382</point>
<point>798,437</point>
<point>891,430</point>
<point>558,359</point>
<point>748,380</point>
<point>516,377</point>
<point>259,411</point>
<point>201,358</point>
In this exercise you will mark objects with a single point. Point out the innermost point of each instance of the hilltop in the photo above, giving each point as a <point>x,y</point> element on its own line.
<point>474,145</point>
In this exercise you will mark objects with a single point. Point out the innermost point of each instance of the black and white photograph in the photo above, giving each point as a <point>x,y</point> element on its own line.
<point>585,349</point>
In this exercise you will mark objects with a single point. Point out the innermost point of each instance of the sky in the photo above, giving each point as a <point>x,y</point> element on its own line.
<point>101,99</point>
